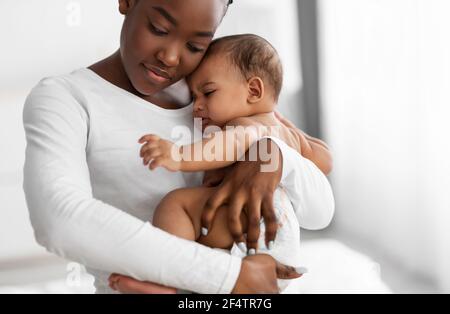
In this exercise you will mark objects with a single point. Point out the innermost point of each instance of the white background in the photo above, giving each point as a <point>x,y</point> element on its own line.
<point>385,69</point>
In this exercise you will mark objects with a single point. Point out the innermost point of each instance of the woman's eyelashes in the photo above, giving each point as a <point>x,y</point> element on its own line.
<point>157,31</point>
<point>194,48</point>
<point>161,32</point>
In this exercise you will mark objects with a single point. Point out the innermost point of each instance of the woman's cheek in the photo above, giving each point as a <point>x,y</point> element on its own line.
<point>145,43</point>
<point>190,62</point>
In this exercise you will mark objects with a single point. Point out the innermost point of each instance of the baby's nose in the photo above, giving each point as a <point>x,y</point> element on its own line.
<point>198,106</point>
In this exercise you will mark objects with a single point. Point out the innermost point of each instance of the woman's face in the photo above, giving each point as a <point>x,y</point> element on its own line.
<point>163,41</point>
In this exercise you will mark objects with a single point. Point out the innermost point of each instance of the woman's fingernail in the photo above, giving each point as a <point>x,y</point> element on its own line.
<point>204,231</point>
<point>242,246</point>
<point>251,252</point>
<point>270,246</point>
<point>301,270</point>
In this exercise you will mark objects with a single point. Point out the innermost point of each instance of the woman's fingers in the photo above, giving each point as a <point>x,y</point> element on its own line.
<point>214,177</point>
<point>254,222</point>
<point>270,221</point>
<point>288,272</point>
<point>234,221</point>
<point>259,274</point>
<point>212,204</point>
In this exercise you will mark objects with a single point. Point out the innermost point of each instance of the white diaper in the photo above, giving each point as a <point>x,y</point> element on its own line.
<point>286,247</point>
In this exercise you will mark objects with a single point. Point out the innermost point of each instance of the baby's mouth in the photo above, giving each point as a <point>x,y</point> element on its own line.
<point>205,121</point>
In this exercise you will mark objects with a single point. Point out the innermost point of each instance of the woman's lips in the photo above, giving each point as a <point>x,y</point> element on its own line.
<point>156,75</point>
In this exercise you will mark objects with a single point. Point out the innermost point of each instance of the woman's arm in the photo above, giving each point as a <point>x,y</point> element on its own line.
<point>311,148</point>
<point>315,150</point>
<point>69,222</point>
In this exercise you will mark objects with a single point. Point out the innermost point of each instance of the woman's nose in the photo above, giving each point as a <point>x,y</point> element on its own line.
<point>170,56</point>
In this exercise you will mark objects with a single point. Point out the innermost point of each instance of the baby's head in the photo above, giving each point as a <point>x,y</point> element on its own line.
<point>240,76</point>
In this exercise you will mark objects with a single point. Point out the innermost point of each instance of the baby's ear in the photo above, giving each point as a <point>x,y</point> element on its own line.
<point>255,90</point>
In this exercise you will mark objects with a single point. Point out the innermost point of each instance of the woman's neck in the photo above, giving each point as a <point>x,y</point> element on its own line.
<point>112,70</point>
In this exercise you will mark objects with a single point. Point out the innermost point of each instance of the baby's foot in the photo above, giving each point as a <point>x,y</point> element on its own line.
<point>128,285</point>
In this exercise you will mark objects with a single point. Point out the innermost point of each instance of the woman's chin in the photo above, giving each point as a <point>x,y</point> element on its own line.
<point>148,90</point>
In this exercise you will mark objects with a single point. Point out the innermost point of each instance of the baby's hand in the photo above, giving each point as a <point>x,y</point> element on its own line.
<point>160,153</point>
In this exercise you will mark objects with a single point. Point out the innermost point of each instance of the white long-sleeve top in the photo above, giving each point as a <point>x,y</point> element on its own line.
<point>91,200</point>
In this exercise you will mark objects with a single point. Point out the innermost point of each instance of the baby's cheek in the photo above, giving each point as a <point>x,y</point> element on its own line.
<point>218,113</point>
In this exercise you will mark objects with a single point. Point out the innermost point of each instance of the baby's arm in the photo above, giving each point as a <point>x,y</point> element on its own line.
<point>219,150</point>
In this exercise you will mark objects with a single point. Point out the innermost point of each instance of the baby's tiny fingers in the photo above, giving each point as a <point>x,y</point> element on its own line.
<point>149,138</point>
<point>151,155</point>
<point>148,146</point>
<point>157,162</point>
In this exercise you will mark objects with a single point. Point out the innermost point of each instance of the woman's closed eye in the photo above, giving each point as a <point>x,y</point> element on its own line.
<point>157,31</point>
<point>195,49</point>
<point>209,93</point>
<point>160,32</point>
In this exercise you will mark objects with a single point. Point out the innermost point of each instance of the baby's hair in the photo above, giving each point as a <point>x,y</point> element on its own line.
<point>252,55</point>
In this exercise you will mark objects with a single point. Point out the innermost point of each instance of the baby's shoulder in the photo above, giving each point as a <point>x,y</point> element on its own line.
<point>245,121</point>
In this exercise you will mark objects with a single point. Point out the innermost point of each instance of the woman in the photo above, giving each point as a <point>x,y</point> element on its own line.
<point>89,197</point>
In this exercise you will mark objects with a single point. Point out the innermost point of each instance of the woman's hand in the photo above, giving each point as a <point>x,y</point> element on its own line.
<point>213,178</point>
<point>259,275</point>
<point>249,185</point>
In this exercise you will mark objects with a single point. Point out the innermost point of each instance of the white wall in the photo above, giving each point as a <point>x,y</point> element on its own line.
<point>385,81</point>
<point>49,37</point>
<point>39,38</point>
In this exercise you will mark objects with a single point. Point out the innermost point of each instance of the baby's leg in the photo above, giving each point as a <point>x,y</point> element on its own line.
<point>180,212</point>
<point>171,216</point>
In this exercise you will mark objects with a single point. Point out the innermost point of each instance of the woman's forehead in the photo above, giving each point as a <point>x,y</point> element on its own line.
<point>205,15</point>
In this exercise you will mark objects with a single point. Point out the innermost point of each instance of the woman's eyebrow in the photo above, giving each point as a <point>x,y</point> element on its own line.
<point>166,14</point>
<point>204,34</point>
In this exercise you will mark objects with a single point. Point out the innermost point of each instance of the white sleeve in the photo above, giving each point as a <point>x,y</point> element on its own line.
<point>307,187</point>
<point>69,222</point>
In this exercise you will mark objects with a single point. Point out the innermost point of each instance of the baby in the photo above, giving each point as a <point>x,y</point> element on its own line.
<point>235,90</point>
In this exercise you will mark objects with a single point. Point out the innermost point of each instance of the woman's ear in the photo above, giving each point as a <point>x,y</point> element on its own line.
<point>255,90</point>
<point>126,5</point>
